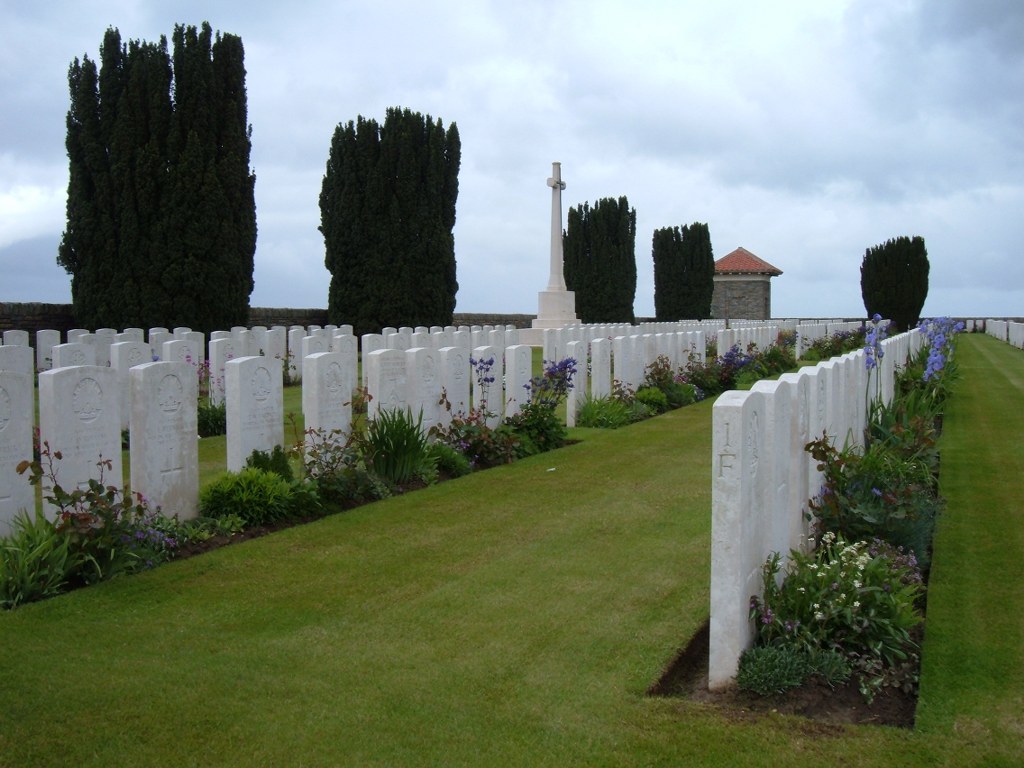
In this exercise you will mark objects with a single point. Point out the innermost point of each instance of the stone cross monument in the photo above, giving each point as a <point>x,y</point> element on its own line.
<point>557,306</point>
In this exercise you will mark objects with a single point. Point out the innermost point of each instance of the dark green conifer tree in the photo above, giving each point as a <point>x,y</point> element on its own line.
<point>161,227</point>
<point>894,280</point>
<point>387,214</point>
<point>599,260</point>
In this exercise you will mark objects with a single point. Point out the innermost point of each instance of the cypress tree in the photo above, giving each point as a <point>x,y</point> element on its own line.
<point>161,213</point>
<point>894,280</point>
<point>666,251</point>
<point>599,260</point>
<point>387,212</point>
<point>698,272</point>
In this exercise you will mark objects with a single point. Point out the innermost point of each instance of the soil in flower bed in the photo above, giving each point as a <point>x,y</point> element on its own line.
<point>687,677</point>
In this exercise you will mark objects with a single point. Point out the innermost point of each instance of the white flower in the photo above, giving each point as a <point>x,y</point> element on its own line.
<point>842,595</point>
<point>801,589</point>
<point>817,606</point>
<point>856,603</point>
<point>856,584</point>
<point>819,616</point>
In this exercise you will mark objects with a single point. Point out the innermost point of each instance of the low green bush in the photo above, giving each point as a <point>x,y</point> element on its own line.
<point>450,462</point>
<point>605,413</point>
<point>258,497</point>
<point>275,461</point>
<point>859,600</point>
<point>654,399</point>
<point>769,669</point>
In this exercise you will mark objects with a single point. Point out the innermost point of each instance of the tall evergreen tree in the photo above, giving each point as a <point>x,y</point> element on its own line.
<point>599,260</point>
<point>684,272</point>
<point>161,211</point>
<point>387,214</point>
<point>894,280</point>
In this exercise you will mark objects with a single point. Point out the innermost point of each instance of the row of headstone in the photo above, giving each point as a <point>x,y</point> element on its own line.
<point>760,336</point>
<point>762,478</point>
<point>1004,330</point>
<point>80,417</point>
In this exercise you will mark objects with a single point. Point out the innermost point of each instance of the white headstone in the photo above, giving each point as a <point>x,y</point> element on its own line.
<point>255,408</point>
<point>424,371</point>
<point>487,383</point>
<point>80,416</point>
<point>221,350</point>
<point>124,355</point>
<point>164,444</point>
<point>455,376</point>
<point>16,409</point>
<point>73,353</point>
<point>328,379</point>
<point>386,381</point>
<point>16,338</point>
<point>17,358</point>
<point>518,373</point>
<point>46,340</point>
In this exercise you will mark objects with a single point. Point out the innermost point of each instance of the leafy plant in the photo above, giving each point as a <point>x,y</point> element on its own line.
<point>536,425</point>
<point>332,461</point>
<point>857,599</point>
<point>257,496</point>
<point>211,420</point>
<point>275,461</point>
<point>396,448</point>
<point>653,398</point>
<point>771,669</point>
<point>111,530</point>
<point>449,461</point>
<point>607,413</point>
<point>36,560</point>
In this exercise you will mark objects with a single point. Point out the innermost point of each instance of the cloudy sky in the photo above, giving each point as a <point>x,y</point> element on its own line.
<point>803,130</point>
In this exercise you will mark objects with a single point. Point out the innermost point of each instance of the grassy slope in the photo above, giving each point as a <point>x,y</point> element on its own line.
<point>974,656</point>
<point>513,617</point>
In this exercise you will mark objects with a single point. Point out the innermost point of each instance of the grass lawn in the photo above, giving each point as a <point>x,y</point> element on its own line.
<point>512,617</point>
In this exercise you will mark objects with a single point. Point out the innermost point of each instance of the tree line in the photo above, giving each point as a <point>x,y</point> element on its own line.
<point>161,213</point>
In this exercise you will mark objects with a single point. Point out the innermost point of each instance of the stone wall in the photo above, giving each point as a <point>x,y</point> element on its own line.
<point>34,317</point>
<point>747,299</point>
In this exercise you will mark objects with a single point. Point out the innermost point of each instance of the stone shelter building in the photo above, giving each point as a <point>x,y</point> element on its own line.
<point>743,289</point>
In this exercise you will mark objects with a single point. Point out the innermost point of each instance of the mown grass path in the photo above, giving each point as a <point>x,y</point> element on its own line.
<point>514,617</point>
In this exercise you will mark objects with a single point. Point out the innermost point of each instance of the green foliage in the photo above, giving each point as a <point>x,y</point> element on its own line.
<point>450,462</point>
<point>769,669</point>
<point>110,531</point>
<point>275,461</point>
<point>599,257</point>
<point>257,496</point>
<point>894,280</point>
<point>684,270</point>
<point>886,490</point>
<point>36,561</point>
<point>482,446</point>
<point>654,399</point>
<point>161,214</point>
<point>834,344</point>
<point>538,429</point>
<point>396,449</point>
<point>858,600</point>
<point>332,461</point>
<point>211,420</point>
<point>609,412</point>
<point>387,214</point>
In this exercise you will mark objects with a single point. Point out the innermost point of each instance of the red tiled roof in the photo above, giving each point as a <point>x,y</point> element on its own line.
<point>743,262</point>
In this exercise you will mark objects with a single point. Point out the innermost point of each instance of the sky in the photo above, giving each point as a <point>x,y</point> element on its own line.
<point>804,131</point>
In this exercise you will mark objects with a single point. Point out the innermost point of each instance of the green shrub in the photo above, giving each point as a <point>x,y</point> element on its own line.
<point>276,461</point>
<point>481,445</point>
<point>857,599</point>
<point>36,560</point>
<point>770,669</point>
<point>449,461</point>
<point>257,496</point>
<point>396,449</point>
<point>604,413</point>
<point>538,429</point>
<point>111,530</point>
<point>211,419</point>
<point>877,492</point>
<point>654,399</point>
<point>332,462</point>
